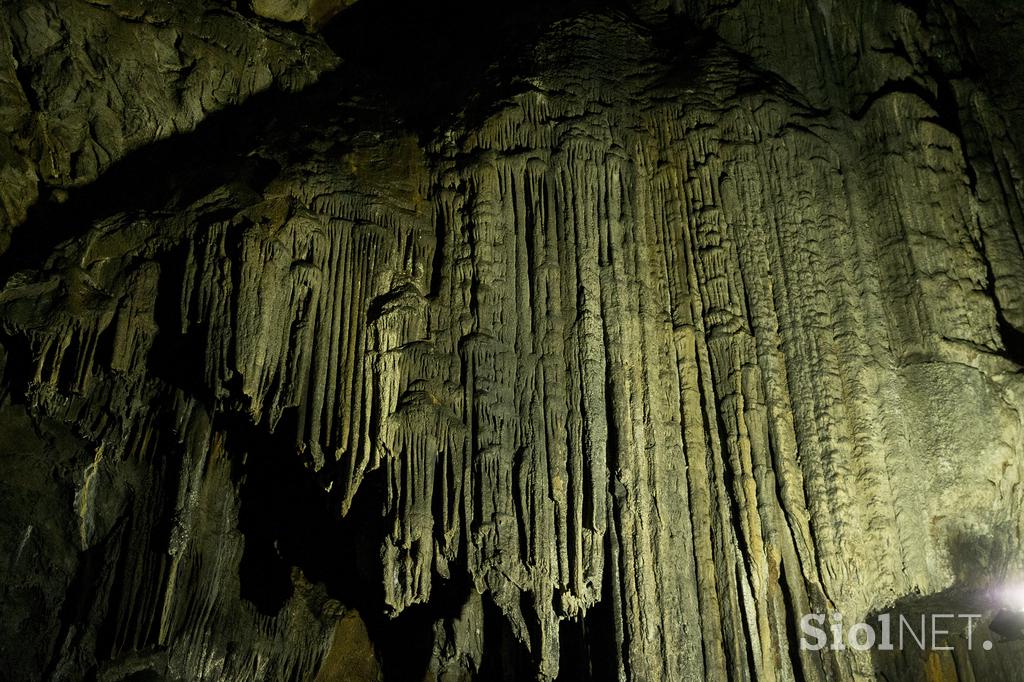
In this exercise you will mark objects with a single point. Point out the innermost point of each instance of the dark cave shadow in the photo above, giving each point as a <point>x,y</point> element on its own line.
<point>587,646</point>
<point>432,61</point>
<point>170,174</point>
<point>289,520</point>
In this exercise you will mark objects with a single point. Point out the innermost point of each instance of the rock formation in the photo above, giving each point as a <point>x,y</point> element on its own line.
<point>572,341</point>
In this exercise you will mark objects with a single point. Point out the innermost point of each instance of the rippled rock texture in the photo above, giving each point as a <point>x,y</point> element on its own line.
<point>574,341</point>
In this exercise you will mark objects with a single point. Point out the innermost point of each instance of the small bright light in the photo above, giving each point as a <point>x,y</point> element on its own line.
<point>1012,596</point>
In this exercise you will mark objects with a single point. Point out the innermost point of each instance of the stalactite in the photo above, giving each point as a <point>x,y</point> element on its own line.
<point>655,341</point>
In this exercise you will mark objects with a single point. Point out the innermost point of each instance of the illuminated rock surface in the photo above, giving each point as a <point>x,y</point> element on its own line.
<point>579,342</point>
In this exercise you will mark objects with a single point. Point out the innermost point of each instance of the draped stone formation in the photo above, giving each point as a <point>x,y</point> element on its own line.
<point>690,321</point>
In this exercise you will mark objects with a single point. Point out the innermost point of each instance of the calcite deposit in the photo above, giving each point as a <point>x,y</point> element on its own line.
<point>567,341</point>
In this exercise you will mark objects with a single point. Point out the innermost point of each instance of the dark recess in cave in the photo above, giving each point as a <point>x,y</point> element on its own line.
<point>429,61</point>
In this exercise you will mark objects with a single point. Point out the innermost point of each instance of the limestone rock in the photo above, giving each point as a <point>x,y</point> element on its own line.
<point>687,322</point>
<point>313,13</point>
<point>85,83</point>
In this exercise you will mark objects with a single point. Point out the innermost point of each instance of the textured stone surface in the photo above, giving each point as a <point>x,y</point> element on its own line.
<point>313,13</point>
<point>689,322</point>
<point>84,83</point>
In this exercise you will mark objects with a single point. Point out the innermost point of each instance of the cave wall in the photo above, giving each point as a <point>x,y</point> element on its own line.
<point>686,321</point>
